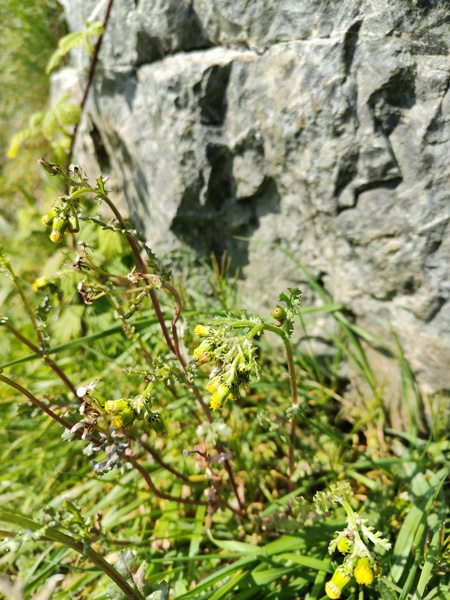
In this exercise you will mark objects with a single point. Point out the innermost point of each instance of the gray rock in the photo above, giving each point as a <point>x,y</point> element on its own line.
<point>322,127</point>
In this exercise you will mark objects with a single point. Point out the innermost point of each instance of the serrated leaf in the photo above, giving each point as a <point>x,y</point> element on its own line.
<point>49,125</point>
<point>95,28</point>
<point>54,60</point>
<point>68,113</point>
<point>36,119</point>
<point>18,139</point>
<point>71,40</point>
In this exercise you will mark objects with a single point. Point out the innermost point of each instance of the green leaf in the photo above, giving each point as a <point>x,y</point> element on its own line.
<point>111,243</point>
<point>36,119</point>
<point>308,561</point>
<point>411,532</point>
<point>226,588</point>
<point>386,592</point>
<point>95,28</point>
<point>54,60</point>
<point>68,113</point>
<point>17,140</point>
<point>72,40</point>
<point>50,125</point>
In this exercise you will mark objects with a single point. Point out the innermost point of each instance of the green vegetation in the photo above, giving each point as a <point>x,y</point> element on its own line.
<point>157,443</point>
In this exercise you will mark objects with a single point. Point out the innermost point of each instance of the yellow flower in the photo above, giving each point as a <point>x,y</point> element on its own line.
<point>332,591</point>
<point>49,218</point>
<point>59,227</point>
<point>202,353</point>
<point>345,545</point>
<point>215,402</point>
<point>363,572</point>
<point>202,331</point>
<point>39,284</point>
<point>123,411</point>
<point>340,579</point>
<point>124,420</point>
<point>219,392</point>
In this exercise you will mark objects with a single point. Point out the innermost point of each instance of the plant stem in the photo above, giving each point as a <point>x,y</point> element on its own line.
<point>25,302</point>
<point>173,346</point>
<point>82,547</point>
<point>39,351</point>
<point>148,480</point>
<point>143,268</point>
<point>35,401</point>
<point>68,426</point>
<point>89,78</point>
<point>294,395</point>
<point>160,461</point>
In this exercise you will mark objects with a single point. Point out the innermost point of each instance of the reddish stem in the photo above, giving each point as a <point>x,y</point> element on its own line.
<point>48,411</point>
<point>148,480</point>
<point>50,362</point>
<point>163,464</point>
<point>89,78</point>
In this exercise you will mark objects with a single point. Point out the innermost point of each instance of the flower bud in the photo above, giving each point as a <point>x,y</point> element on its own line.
<point>123,411</point>
<point>363,572</point>
<point>279,314</point>
<point>203,353</point>
<point>345,545</point>
<point>73,225</point>
<point>114,407</point>
<point>48,219</point>
<point>220,391</point>
<point>201,331</point>
<point>341,577</point>
<point>157,424</point>
<point>39,284</point>
<point>51,168</point>
<point>59,227</point>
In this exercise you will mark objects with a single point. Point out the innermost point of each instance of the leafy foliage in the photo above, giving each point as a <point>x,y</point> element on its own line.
<point>77,39</point>
<point>54,126</point>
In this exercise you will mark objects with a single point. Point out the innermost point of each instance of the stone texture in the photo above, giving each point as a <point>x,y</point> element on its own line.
<point>320,126</point>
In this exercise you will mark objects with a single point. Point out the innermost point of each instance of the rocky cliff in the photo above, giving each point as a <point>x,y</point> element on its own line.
<point>321,126</point>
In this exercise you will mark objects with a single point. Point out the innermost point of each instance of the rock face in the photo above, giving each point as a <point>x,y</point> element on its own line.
<point>320,126</point>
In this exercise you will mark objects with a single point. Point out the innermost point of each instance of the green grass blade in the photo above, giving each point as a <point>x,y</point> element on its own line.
<point>216,577</point>
<point>196,539</point>
<point>83,341</point>
<point>411,533</point>
<point>228,587</point>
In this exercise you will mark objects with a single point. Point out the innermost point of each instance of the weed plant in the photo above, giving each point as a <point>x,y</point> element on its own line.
<point>154,445</point>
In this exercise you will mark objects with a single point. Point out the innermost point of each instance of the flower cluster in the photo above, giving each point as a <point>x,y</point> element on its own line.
<point>234,359</point>
<point>126,411</point>
<point>360,562</point>
<point>62,218</point>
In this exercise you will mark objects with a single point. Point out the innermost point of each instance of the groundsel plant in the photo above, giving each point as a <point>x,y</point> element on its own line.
<point>357,542</point>
<point>228,342</point>
<point>225,354</point>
